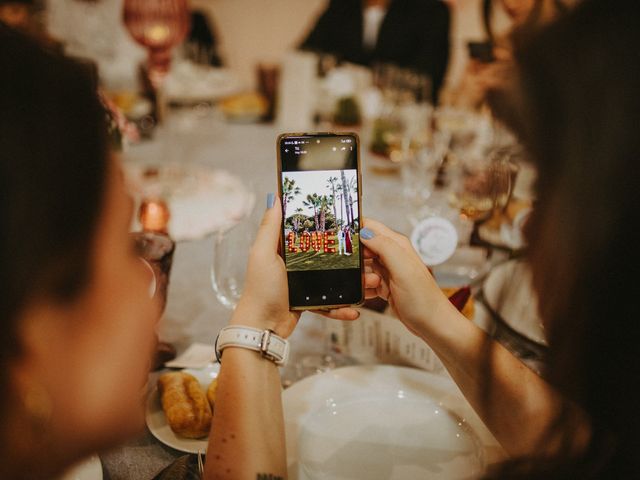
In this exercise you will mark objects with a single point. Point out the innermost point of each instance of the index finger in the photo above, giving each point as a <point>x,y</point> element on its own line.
<point>401,240</point>
<point>382,229</point>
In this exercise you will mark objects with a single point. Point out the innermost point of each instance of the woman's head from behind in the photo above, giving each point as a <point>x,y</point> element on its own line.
<point>77,330</point>
<point>580,112</point>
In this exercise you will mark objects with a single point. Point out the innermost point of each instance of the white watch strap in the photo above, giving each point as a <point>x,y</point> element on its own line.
<point>270,345</point>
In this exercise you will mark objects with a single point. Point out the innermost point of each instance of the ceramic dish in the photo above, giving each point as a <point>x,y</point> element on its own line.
<point>157,422</point>
<point>383,422</point>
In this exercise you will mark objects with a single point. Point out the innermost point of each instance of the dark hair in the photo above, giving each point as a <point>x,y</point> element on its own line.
<point>53,163</point>
<point>579,118</point>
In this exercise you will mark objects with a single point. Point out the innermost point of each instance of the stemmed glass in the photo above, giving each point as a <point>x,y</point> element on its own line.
<point>157,25</point>
<point>485,184</point>
<point>421,152</point>
<point>402,85</point>
<point>230,252</point>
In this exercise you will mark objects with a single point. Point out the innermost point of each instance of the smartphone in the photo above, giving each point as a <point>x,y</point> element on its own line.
<point>481,51</point>
<point>320,188</point>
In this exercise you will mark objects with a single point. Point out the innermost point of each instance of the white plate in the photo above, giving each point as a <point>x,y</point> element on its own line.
<point>383,422</point>
<point>157,422</point>
<point>201,199</point>
<point>190,82</point>
<point>89,469</point>
<point>509,291</point>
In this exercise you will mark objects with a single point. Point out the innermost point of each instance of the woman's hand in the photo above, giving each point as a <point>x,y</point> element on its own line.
<point>480,78</point>
<point>405,280</point>
<point>264,303</point>
<point>465,351</point>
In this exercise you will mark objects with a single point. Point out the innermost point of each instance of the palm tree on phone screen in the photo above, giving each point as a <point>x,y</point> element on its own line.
<point>332,183</point>
<point>313,201</point>
<point>346,196</point>
<point>352,187</point>
<point>289,191</point>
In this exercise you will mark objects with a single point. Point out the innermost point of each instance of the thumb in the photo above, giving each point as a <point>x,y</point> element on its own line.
<point>268,236</point>
<point>390,253</point>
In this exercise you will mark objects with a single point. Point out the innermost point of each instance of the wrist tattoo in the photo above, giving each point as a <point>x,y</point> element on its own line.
<point>268,476</point>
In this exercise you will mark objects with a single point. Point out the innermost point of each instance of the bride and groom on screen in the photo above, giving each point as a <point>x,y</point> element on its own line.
<point>344,241</point>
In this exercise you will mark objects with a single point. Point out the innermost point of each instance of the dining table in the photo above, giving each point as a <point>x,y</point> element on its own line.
<point>193,313</point>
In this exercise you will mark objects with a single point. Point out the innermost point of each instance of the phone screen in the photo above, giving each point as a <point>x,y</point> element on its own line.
<point>319,182</point>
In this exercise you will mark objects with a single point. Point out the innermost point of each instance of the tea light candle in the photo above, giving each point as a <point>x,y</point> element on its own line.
<point>154,215</point>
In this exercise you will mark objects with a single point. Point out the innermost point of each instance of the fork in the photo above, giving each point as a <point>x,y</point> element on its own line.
<point>200,463</point>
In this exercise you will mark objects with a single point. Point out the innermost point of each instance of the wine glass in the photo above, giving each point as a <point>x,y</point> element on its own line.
<point>471,134</point>
<point>421,153</point>
<point>484,184</point>
<point>157,25</point>
<point>230,252</point>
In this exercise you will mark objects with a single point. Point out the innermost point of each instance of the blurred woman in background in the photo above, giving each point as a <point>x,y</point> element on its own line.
<point>483,75</point>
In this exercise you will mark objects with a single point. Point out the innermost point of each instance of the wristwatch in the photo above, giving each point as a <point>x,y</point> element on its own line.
<point>266,342</point>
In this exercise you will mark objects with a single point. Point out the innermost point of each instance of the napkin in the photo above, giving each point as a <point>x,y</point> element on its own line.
<point>460,297</point>
<point>197,356</point>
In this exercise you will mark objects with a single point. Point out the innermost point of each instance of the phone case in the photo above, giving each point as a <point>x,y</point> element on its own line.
<point>282,240</point>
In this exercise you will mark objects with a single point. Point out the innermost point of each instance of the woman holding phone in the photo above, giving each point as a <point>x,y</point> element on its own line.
<point>579,420</point>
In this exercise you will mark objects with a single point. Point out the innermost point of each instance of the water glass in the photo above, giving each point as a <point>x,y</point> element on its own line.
<point>156,250</point>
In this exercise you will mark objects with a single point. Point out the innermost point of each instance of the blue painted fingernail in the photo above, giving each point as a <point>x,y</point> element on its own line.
<point>271,198</point>
<point>367,234</point>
